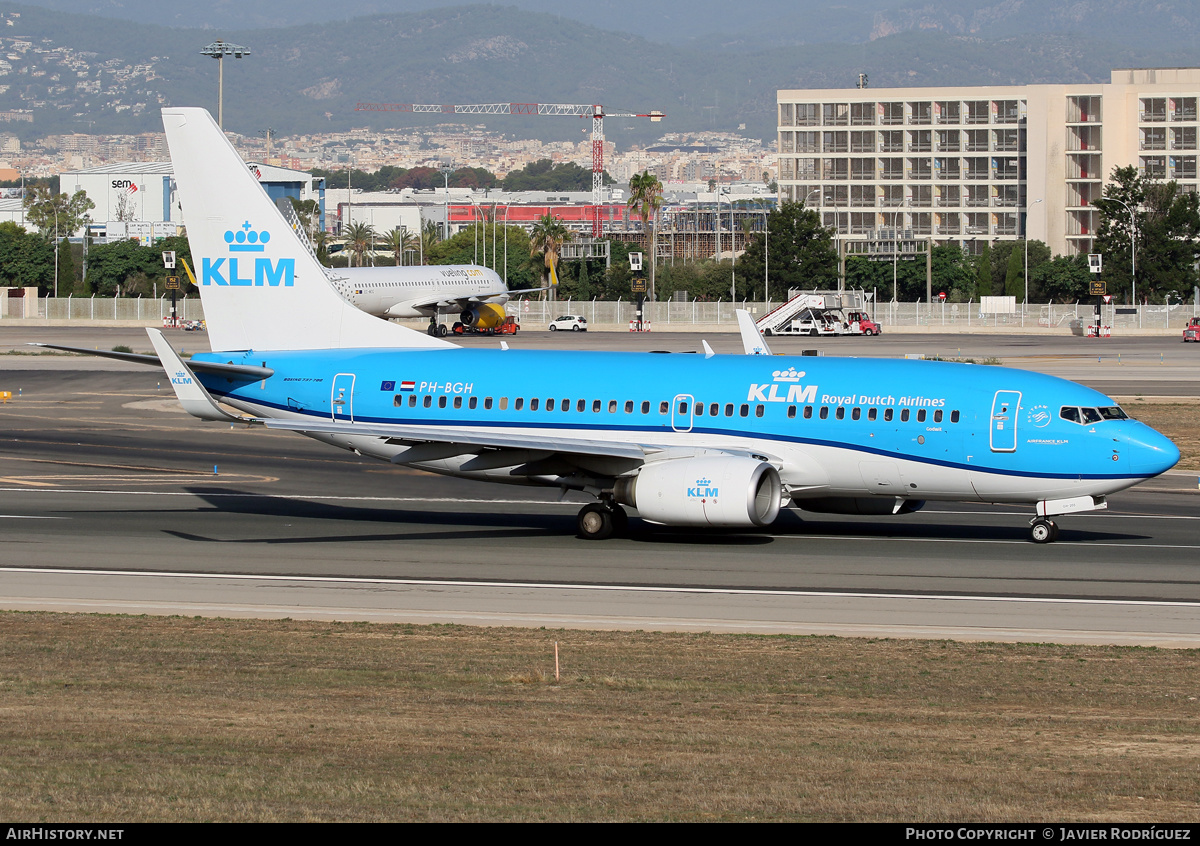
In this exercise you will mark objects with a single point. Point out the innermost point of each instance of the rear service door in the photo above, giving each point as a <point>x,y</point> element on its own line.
<point>1004,421</point>
<point>341,403</point>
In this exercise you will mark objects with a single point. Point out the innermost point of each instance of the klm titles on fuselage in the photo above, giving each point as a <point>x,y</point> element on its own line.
<point>266,273</point>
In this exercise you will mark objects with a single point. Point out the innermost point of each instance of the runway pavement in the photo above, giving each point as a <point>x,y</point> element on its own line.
<point>112,499</point>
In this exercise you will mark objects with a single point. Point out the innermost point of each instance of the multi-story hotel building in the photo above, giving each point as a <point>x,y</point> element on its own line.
<point>972,165</point>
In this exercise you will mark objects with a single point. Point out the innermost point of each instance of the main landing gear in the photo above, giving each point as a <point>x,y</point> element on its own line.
<point>602,520</point>
<point>435,329</point>
<point>1042,530</point>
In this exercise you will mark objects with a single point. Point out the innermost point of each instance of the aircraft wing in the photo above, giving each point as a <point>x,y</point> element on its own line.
<point>464,302</point>
<point>435,442</point>
<point>471,440</point>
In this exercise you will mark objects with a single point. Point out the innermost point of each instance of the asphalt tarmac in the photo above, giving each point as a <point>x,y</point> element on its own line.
<point>112,499</point>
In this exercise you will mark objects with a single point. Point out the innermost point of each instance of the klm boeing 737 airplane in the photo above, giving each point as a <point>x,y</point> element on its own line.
<point>687,440</point>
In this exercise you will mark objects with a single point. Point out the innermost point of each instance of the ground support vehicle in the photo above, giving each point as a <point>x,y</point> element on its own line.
<point>508,327</point>
<point>1192,332</point>
<point>819,313</point>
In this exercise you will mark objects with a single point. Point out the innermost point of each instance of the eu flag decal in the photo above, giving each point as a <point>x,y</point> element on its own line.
<point>388,386</point>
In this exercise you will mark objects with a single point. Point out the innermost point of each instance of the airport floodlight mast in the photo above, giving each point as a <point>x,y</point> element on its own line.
<point>219,50</point>
<point>595,112</point>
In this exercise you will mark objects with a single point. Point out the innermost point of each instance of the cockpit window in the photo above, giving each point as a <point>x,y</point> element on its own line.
<point>1088,416</point>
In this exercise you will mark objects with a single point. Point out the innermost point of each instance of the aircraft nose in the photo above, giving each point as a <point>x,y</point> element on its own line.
<point>1149,452</point>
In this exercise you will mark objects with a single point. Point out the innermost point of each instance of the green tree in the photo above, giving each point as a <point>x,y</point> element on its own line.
<point>66,269</point>
<point>460,249</point>
<point>397,241</point>
<point>547,237</point>
<point>56,216</point>
<point>799,250</point>
<point>26,259</point>
<point>123,266</point>
<point>983,273</point>
<point>1063,279</point>
<point>544,175</point>
<point>1014,274</point>
<point>645,197</point>
<point>1166,223</point>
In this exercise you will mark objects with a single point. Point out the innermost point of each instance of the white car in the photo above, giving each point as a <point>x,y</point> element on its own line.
<point>574,322</point>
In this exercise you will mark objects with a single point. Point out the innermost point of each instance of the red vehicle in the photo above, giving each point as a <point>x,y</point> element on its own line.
<point>508,327</point>
<point>865,323</point>
<point>1192,332</point>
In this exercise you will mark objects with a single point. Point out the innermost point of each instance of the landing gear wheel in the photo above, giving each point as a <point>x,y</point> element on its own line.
<point>595,522</point>
<point>1043,531</point>
<point>441,330</point>
<point>431,329</point>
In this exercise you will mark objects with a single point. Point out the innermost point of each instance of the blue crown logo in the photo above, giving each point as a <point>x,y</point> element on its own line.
<point>246,240</point>
<point>704,482</point>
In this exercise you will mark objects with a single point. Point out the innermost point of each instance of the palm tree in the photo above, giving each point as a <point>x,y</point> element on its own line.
<point>547,237</point>
<point>645,195</point>
<point>399,240</point>
<point>360,237</point>
<point>429,237</point>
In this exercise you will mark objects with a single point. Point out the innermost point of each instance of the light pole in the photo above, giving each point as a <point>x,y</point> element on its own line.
<point>1031,205</point>
<point>219,50</point>
<point>446,171</point>
<point>1132,250</point>
<point>896,250</point>
<point>56,246</point>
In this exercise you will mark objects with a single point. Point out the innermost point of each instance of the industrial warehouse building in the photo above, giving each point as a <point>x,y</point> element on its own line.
<point>970,165</point>
<point>139,200</point>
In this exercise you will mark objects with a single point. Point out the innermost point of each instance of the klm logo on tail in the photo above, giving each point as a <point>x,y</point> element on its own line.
<point>265,272</point>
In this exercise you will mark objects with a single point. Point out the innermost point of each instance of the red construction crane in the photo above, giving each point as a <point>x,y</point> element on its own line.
<point>595,112</point>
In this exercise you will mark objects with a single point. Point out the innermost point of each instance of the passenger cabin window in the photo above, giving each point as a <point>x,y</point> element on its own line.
<point>887,415</point>
<point>855,413</point>
<point>954,416</point>
<point>487,403</point>
<point>533,404</point>
<point>428,401</point>
<point>904,415</point>
<point>519,403</point>
<point>920,415</point>
<point>714,409</point>
<point>758,410</point>
<point>728,409</point>
<point>664,407</point>
<point>596,405</point>
<point>645,407</point>
<point>840,414</point>
<point>629,406</point>
<point>744,411</point>
<point>503,403</point>
<point>699,409</point>
<point>458,402</point>
<point>473,403</point>
<point>808,412</point>
<point>683,408</point>
<point>581,405</point>
<point>441,402</point>
<point>412,401</point>
<point>872,413</point>
<point>612,406</point>
<point>824,412</point>
<point>937,416</point>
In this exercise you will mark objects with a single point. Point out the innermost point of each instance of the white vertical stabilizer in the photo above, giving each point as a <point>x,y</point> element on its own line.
<point>261,288</point>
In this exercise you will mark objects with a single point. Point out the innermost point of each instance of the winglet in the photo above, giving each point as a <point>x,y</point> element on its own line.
<point>752,339</point>
<point>195,400</point>
<point>708,351</point>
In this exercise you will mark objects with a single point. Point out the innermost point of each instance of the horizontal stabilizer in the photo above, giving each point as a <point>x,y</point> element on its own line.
<point>249,372</point>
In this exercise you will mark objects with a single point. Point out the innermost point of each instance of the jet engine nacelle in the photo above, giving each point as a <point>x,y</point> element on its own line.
<point>718,491</point>
<point>483,316</point>
<point>868,505</point>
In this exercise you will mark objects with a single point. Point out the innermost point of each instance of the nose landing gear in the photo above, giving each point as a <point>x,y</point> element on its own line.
<point>1042,530</point>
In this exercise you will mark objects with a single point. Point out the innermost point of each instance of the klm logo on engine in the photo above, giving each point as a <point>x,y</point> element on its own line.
<point>789,379</point>
<point>702,490</point>
<point>253,272</point>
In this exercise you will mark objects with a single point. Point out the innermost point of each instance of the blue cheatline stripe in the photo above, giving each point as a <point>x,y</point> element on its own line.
<point>524,427</point>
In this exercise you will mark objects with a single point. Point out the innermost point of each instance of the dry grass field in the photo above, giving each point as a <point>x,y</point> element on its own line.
<point>1178,419</point>
<point>122,719</point>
